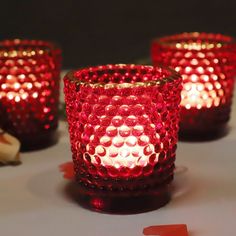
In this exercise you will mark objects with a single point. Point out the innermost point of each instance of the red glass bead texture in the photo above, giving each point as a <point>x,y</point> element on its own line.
<point>29,90</point>
<point>122,125</point>
<point>207,65</point>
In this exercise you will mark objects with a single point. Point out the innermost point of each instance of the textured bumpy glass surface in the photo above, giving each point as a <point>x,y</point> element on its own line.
<point>123,124</point>
<point>29,88</point>
<point>206,63</point>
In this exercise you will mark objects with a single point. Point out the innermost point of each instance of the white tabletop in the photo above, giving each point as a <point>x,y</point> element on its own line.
<point>33,200</point>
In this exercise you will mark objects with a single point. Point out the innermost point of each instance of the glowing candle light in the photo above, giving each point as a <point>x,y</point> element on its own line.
<point>123,124</point>
<point>206,63</point>
<point>29,82</point>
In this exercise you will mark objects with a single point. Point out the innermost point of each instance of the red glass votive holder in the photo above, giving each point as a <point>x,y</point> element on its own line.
<point>29,91</point>
<point>123,124</point>
<point>206,62</point>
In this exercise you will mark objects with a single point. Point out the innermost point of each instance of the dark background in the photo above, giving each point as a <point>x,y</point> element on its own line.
<point>100,32</point>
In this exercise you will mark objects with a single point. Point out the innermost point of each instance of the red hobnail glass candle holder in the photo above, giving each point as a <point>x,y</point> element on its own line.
<point>29,91</point>
<point>206,62</point>
<point>123,124</point>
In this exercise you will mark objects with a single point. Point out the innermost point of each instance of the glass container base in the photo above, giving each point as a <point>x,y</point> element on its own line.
<point>39,141</point>
<point>120,202</point>
<point>205,134</point>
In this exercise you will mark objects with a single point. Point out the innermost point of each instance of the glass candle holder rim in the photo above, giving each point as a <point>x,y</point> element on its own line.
<point>24,48</point>
<point>175,40</point>
<point>73,78</point>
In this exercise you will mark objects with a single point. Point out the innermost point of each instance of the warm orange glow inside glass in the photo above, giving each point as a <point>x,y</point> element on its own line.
<point>123,123</point>
<point>29,86</point>
<point>204,62</point>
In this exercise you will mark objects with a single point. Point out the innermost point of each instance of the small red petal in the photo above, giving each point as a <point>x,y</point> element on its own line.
<point>166,230</point>
<point>68,170</point>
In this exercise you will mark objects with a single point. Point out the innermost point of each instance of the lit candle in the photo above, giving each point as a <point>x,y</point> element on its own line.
<point>206,63</point>
<point>123,124</point>
<point>29,89</point>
